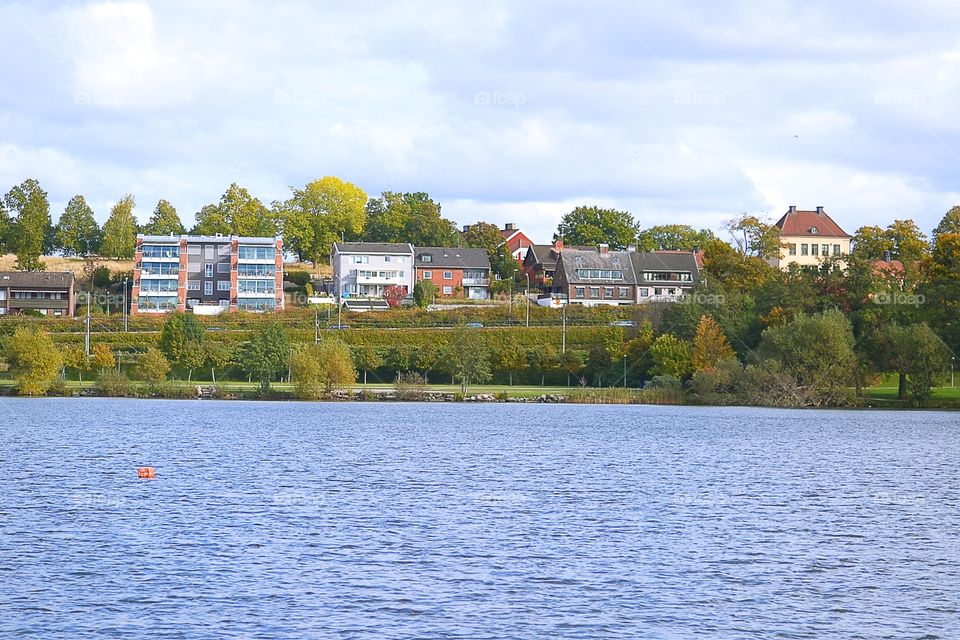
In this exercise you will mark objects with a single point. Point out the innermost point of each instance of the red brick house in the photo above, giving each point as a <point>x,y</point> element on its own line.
<point>516,240</point>
<point>457,272</point>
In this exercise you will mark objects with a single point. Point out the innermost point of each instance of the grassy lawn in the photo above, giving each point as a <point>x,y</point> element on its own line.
<point>890,393</point>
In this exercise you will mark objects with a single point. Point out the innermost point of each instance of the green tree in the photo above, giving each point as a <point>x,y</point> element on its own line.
<point>755,237</point>
<point>34,360</point>
<point>237,213</point>
<point>216,355</point>
<point>424,292</point>
<point>265,354</point>
<point>673,237</point>
<point>181,341</point>
<point>941,291</point>
<point>322,213</point>
<point>77,233</point>
<point>318,369</point>
<point>915,354</point>
<point>32,230</point>
<point>950,223</point>
<point>467,358</point>
<point>408,217</point>
<point>817,352</point>
<point>76,358</point>
<point>367,359</point>
<point>710,345</point>
<point>6,225</point>
<point>670,356</point>
<point>153,367</point>
<point>120,231</point>
<point>869,242</point>
<point>594,226</point>
<point>484,235</point>
<point>909,243</point>
<point>164,221</point>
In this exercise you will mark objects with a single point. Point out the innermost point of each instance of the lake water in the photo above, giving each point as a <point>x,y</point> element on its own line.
<point>299,520</point>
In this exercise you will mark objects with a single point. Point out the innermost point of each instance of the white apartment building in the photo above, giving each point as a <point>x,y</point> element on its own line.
<point>367,269</point>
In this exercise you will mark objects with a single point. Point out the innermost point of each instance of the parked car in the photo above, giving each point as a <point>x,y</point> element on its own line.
<point>338,326</point>
<point>623,323</point>
<point>474,325</point>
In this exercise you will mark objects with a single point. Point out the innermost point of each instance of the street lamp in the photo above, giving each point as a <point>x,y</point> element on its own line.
<point>624,371</point>
<point>952,358</point>
<point>124,305</point>
<point>527,296</point>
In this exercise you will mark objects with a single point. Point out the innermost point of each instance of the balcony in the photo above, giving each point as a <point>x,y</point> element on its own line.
<point>476,282</point>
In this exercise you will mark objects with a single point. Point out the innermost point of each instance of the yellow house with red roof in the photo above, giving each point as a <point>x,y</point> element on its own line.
<point>808,238</point>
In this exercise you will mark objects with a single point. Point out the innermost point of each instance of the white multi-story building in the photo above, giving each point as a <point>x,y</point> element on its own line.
<point>368,269</point>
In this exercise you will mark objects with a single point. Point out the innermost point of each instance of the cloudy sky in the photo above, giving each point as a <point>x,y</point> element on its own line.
<point>503,111</point>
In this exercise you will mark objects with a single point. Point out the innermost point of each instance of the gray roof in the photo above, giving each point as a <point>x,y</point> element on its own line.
<point>574,259</point>
<point>221,238</point>
<point>544,254</point>
<point>37,279</point>
<point>671,261</point>
<point>373,247</point>
<point>453,257</point>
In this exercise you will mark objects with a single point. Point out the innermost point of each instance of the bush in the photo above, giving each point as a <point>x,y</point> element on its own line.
<point>299,278</point>
<point>114,385</point>
<point>410,385</point>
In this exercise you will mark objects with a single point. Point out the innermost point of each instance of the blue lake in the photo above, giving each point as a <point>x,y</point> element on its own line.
<point>353,520</point>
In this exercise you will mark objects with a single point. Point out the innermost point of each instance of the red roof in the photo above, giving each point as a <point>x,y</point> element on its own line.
<point>809,223</point>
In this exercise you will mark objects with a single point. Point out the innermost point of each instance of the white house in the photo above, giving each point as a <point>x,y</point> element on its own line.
<point>368,269</point>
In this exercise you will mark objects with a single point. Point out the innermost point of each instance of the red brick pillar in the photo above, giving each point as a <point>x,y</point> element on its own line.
<point>234,258</point>
<point>137,266</point>
<point>182,278</point>
<point>279,274</point>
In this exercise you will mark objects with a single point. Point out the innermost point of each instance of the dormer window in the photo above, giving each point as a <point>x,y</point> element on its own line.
<point>426,257</point>
<point>813,231</point>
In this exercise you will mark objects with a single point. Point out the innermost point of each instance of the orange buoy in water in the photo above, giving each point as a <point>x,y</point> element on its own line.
<point>145,472</point>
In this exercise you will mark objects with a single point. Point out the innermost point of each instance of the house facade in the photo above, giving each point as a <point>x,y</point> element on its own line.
<point>50,293</point>
<point>808,238</point>
<point>602,277</point>
<point>368,269</point>
<point>540,262</point>
<point>456,272</point>
<point>207,274</point>
<point>516,240</point>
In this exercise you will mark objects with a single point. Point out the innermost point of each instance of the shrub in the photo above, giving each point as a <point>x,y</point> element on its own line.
<point>113,384</point>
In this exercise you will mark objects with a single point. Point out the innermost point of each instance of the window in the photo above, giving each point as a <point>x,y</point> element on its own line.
<point>792,247</point>
<point>600,274</point>
<point>427,275</point>
<point>208,252</point>
<point>386,258</point>
<point>224,267</point>
<point>257,253</point>
<point>803,249</point>
<point>426,257</point>
<point>814,249</point>
<point>194,250</point>
<point>256,286</point>
<point>836,249</point>
<point>208,270</point>
<point>657,291</point>
<point>825,250</point>
<point>359,259</point>
<point>608,292</point>
<point>161,251</point>
<point>262,270</point>
<point>594,292</point>
<point>160,268</point>
<point>256,304</point>
<point>223,250</point>
<point>208,288</point>
<point>223,285</point>
<point>448,275</point>
<point>225,302</point>
<point>624,292</point>
<point>644,292</point>
<point>447,290</point>
<point>580,291</point>
<point>193,285</point>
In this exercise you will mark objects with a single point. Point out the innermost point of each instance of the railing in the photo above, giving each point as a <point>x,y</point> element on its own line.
<point>476,282</point>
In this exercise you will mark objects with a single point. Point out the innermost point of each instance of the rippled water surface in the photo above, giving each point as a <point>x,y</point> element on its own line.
<point>294,520</point>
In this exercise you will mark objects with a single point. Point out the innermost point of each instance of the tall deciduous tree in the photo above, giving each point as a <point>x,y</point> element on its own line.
<point>408,217</point>
<point>941,291</point>
<point>710,345</point>
<point>915,354</point>
<point>322,213</point>
<point>32,231</point>
<point>754,237</point>
<point>34,360</point>
<point>673,237</point>
<point>265,355</point>
<point>902,238</point>
<point>320,368</point>
<point>181,339</point>
<point>164,221</point>
<point>869,242</point>
<point>120,231</point>
<point>237,213</point>
<point>485,235</point>
<point>153,366</point>
<point>77,233</point>
<point>950,223</point>
<point>6,224</point>
<point>670,356</point>
<point>594,226</point>
<point>467,359</point>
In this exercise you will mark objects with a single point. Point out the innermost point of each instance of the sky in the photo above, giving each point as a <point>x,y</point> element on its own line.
<point>679,112</point>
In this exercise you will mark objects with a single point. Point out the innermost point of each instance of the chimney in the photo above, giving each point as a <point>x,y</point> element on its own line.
<point>603,247</point>
<point>792,209</point>
<point>510,226</point>
<point>696,249</point>
<point>631,248</point>
<point>558,244</point>
<point>466,228</point>
<point>887,256</point>
<point>820,211</point>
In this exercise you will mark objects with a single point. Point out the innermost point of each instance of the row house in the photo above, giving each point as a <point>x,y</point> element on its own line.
<point>368,269</point>
<point>461,273</point>
<point>207,274</point>
<point>48,292</point>
<point>602,277</point>
<point>540,261</point>
<point>808,238</point>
